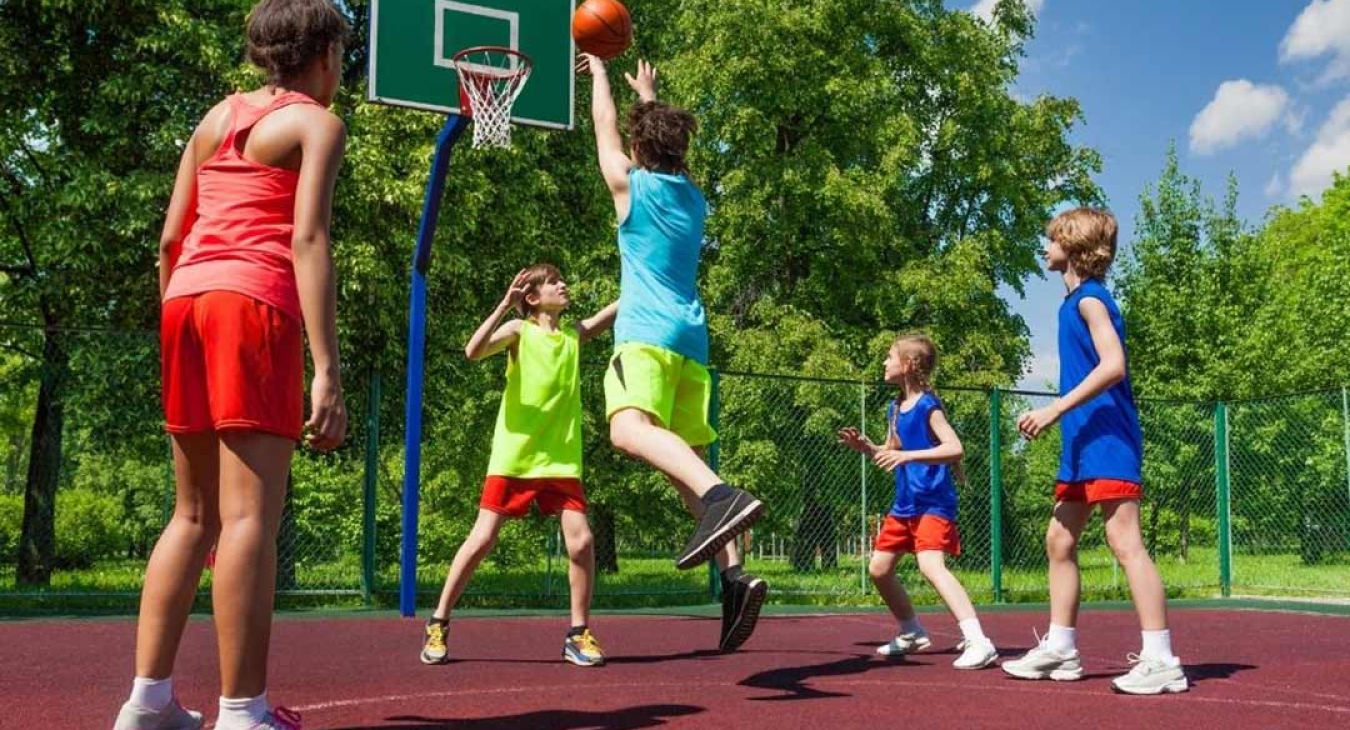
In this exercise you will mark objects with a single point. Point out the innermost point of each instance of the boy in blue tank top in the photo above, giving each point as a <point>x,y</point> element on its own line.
<point>1100,462</point>
<point>921,449</point>
<point>657,386</point>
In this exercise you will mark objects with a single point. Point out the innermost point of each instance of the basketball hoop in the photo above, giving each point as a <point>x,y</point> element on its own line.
<point>490,79</point>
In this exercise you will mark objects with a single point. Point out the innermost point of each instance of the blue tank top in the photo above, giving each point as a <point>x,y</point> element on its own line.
<point>659,246</point>
<point>920,489</point>
<point>1101,438</point>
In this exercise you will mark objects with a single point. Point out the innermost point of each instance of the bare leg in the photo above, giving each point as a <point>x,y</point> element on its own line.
<point>175,567</point>
<point>933,565</point>
<point>1061,548</point>
<point>482,538</point>
<point>1127,542</point>
<point>634,433</point>
<point>581,566</point>
<point>882,571</point>
<point>253,471</point>
<point>727,556</point>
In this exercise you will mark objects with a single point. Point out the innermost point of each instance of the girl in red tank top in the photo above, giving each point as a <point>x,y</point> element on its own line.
<point>246,271</point>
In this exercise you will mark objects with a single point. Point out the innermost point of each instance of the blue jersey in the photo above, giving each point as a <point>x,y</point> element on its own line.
<point>659,246</point>
<point>1101,438</point>
<point>920,489</point>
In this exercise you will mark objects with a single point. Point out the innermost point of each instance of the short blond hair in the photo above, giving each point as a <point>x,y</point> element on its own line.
<point>1088,236</point>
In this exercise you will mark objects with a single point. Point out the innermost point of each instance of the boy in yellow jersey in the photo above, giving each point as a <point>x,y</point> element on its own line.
<point>536,448</point>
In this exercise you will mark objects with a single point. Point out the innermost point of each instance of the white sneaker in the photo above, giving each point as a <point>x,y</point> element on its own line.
<point>172,717</point>
<point>976,654</point>
<point>1152,677</point>
<point>1043,662</point>
<point>905,644</point>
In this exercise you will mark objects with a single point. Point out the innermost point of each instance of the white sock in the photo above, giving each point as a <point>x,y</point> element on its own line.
<point>971,630</point>
<point>152,694</point>
<point>911,626</point>
<point>1062,639</point>
<point>243,712</point>
<point>1158,645</point>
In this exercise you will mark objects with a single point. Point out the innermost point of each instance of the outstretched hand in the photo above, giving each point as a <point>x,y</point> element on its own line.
<point>644,83</point>
<point>589,64</point>
<point>854,439</point>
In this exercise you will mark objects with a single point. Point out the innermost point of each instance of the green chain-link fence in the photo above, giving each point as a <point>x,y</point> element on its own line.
<point>1241,497</point>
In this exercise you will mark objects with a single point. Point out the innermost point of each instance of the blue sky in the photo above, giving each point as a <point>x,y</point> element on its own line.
<point>1259,88</point>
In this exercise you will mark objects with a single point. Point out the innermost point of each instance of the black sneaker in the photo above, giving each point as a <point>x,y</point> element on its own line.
<point>741,600</point>
<point>722,521</point>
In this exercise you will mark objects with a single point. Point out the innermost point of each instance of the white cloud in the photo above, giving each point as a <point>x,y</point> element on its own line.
<point>1042,372</point>
<point>1329,154</point>
<point>1240,110</point>
<point>984,9</point>
<point>1322,28</point>
<point>1275,186</point>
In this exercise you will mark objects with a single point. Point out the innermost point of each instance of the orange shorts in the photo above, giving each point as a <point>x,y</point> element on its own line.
<point>512,496</point>
<point>1093,491</point>
<point>918,534</point>
<point>229,361</point>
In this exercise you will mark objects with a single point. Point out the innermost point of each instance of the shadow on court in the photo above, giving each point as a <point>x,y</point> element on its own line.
<point>791,681</point>
<point>630,718</point>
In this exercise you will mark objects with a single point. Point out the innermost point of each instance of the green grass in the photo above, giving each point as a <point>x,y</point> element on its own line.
<point>653,582</point>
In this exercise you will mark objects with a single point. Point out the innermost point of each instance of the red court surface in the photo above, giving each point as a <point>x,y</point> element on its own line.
<point>1251,670</point>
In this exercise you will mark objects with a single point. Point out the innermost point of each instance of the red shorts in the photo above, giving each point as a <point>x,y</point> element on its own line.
<point>512,496</point>
<point>918,534</point>
<point>1093,491</point>
<point>231,362</point>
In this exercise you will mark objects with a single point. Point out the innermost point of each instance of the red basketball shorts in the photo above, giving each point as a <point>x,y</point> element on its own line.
<point>231,362</point>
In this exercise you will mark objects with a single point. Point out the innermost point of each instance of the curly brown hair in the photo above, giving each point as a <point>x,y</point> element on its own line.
<point>286,36</point>
<point>1088,237</point>
<point>660,135</point>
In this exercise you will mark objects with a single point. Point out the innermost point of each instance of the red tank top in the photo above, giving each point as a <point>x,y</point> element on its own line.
<point>240,240</point>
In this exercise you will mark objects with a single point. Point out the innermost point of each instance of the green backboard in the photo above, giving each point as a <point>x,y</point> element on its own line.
<point>412,43</point>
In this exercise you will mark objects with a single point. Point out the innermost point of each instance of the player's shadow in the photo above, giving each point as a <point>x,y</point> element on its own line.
<point>1198,673</point>
<point>791,682</point>
<point>1004,652</point>
<point>628,718</point>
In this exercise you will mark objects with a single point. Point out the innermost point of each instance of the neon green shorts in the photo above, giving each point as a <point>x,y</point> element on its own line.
<point>669,387</point>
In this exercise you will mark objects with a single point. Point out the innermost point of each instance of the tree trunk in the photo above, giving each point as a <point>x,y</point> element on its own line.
<point>606,548</point>
<point>37,542</point>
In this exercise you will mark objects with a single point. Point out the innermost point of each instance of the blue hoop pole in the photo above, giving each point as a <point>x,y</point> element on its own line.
<point>417,339</point>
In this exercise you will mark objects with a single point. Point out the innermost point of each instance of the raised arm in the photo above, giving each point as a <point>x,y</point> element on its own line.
<point>489,339</point>
<point>1109,371</point>
<point>595,325</point>
<point>322,144</point>
<point>614,162</point>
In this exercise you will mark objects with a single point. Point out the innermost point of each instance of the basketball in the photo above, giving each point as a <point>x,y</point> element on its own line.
<point>602,28</point>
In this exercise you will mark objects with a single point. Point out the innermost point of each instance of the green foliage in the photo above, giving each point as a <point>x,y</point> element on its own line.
<point>11,520</point>
<point>89,526</point>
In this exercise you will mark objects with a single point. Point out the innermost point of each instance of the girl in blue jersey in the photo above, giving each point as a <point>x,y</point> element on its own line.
<point>1100,462</point>
<point>922,450</point>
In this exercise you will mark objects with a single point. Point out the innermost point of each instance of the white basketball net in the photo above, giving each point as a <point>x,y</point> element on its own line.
<point>490,79</point>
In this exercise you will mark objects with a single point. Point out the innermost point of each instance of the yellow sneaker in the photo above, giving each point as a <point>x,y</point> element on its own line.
<point>583,650</point>
<point>433,645</point>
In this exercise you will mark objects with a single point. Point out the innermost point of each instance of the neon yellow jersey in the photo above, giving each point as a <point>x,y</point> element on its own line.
<point>538,430</point>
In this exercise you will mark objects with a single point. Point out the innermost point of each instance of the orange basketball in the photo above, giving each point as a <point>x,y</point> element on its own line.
<point>602,28</point>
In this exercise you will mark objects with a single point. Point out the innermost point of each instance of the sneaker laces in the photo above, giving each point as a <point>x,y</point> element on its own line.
<point>588,643</point>
<point>435,635</point>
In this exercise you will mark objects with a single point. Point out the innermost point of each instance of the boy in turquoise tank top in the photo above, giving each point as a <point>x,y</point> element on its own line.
<point>657,387</point>
<point>1101,464</point>
<point>536,447</point>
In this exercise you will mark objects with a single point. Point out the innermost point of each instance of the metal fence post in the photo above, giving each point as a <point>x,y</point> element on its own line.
<point>1345,424</point>
<point>1224,503</point>
<point>996,492</point>
<point>368,492</point>
<point>862,470</point>
<point>714,461</point>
